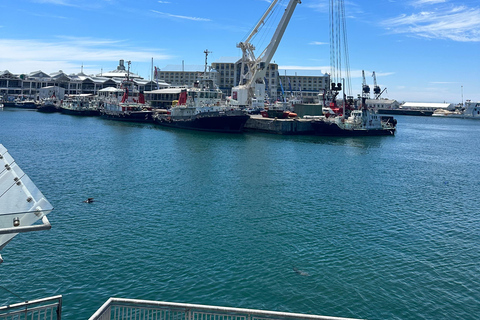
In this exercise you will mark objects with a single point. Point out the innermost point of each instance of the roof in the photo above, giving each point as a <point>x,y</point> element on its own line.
<point>420,105</point>
<point>110,89</point>
<point>301,73</point>
<point>186,68</point>
<point>380,101</point>
<point>166,91</point>
<point>227,60</point>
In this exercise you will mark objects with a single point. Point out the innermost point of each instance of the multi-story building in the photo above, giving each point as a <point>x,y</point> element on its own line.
<point>306,88</point>
<point>12,85</point>
<point>229,70</point>
<point>185,75</point>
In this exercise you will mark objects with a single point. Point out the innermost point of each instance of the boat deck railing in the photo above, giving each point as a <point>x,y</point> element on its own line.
<point>129,309</point>
<point>41,309</point>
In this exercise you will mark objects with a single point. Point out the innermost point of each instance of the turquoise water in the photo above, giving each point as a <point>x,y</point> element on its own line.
<point>377,227</point>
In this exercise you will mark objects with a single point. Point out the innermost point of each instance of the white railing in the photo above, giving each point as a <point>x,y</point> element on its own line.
<point>129,309</point>
<point>41,309</point>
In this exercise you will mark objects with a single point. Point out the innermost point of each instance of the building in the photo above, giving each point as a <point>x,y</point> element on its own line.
<point>229,76</point>
<point>382,104</point>
<point>29,85</point>
<point>302,87</point>
<point>48,92</point>
<point>427,106</point>
<point>185,75</point>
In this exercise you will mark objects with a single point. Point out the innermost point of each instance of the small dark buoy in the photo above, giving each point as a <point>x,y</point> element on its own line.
<point>89,200</point>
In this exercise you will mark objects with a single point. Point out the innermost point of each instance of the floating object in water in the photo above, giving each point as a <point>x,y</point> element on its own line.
<point>89,200</point>
<point>300,272</point>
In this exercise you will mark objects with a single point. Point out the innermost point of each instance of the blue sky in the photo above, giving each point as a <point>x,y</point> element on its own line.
<point>421,50</point>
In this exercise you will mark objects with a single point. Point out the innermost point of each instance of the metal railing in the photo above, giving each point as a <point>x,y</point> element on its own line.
<point>130,309</point>
<point>41,309</point>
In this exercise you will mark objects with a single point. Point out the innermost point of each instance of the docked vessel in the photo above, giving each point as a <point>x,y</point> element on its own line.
<point>359,123</point>
<point>49,105</point>
<point>471,111</point>
<point>26,104</point>
<point>129,107</point>
<point>80,106</point>
<point>201,108</point>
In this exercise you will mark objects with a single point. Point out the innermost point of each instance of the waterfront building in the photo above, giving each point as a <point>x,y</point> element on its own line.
<point>185,75</point>
<point>29,85</point>
<point>427,106</point>
<point>382,104</point>
<point>301,86</point>
<point>10,84</point>
<point>229,76</point>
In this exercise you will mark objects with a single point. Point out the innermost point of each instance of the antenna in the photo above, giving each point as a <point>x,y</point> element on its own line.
<point>206,60</point>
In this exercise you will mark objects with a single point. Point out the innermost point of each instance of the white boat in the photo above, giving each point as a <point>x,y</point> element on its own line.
<point>362,122</point>
<point>21,202</point>
<point>471,111</point>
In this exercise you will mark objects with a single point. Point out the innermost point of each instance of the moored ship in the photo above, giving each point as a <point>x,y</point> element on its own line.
<point>201,108</point>
<point>470,111</point>
<point>129,107</point>
<point>359,123</point>
<point>80,106</point>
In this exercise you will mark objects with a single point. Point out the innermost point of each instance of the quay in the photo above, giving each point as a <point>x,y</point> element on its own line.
<point>295,126</point>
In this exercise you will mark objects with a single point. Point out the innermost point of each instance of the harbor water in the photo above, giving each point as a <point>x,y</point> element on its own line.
<point>373,227</point>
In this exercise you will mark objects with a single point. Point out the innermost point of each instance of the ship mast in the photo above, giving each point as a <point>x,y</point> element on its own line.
<point>206,62</point>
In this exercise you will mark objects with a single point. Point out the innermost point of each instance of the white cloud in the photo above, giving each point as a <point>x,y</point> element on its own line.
<point>427,2</point>
<point>181,17</point>
<point>68,53</point>
<point>458,24</point>
<point>318,43</point>
<point>57,2</point>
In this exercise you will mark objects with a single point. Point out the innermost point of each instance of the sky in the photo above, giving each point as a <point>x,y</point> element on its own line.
<point>420,50</point>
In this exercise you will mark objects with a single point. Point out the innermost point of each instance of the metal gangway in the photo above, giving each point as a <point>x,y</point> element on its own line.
<point>41,309</point>
<point>130,309</point>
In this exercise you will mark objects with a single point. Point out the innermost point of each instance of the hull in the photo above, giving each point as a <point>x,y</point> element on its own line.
<point>221,123</point>
<point>80,112</point>
<point>130,116</point>
<point>48,109</point>
<point>406,112</point>
<point>325,128</point>
<point>26,105</point>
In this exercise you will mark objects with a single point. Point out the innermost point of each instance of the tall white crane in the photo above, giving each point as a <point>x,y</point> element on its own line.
<point>251,89</point>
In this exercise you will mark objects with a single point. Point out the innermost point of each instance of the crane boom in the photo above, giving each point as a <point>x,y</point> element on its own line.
<point>376,89</point>
<point>251,86</point>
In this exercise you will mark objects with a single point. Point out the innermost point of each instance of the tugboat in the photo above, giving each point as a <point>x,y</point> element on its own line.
<point>49,105</point>
<point>197,110</point>
<point>362,122</point>
<point>80,106</point>
<point>351,122</point>
<point>202,108</point>
<point>131,107</point>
